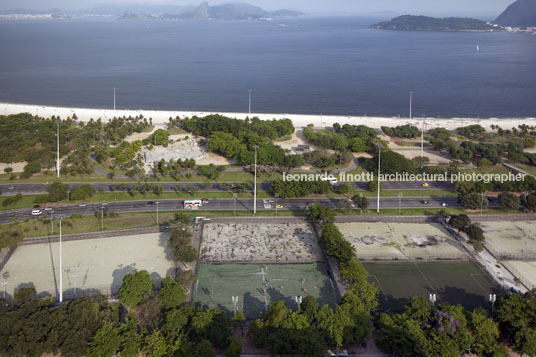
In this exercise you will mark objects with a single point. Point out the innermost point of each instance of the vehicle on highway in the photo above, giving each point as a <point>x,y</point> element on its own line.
<point>424,202</point>
<point>11,188</point>
<point>191,204</point>
<point>48,208</point>
<point>280,206</point>
<point>425,184</point>
<point>204,201</point>
<point>82,205</point>
<point>36,212</point>
<point>444,204</point>
<point>150,202</point>
<point>331,180</point>
<point>36,206</point>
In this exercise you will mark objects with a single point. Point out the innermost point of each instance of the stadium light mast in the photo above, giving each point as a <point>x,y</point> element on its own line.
<point>255,183</point>
<point>492,299</point>
<point>114,98</point>
<point>379,165</point>
<point>58,150</point>
<point>60,218</point>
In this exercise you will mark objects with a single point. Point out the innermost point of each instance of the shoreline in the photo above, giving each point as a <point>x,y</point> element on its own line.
<point>160,117</point>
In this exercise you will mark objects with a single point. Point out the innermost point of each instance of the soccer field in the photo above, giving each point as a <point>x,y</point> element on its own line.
<point>90,266</point>
<point>454,282</point>
<point>257,285</point>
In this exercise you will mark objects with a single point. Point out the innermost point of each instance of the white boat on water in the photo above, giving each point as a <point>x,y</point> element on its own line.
<point>477,48</point>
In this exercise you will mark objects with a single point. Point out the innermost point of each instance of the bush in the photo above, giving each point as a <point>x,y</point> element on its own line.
<point>24,295</point>
<point>82,192</point>
<point>509,201</point>
<point>11,200</point>
<point>57,192</point>
<point>30,169</point>
<point>135,288</point>
<point>344,188</point>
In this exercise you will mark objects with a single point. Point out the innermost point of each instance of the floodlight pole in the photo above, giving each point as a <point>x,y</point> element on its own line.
<point>276,196</point>
<point>157,212</point>
<point>61,266</point>
<point>234,204</point>
<point>492,299</point>
<point>379,165</point>
<point>114,99</point>
<point>58,151</point>
<point>255,183</point>
<point>52,223</point>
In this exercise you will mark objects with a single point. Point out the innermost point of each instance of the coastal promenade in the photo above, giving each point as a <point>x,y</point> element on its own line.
<point>299,120</point>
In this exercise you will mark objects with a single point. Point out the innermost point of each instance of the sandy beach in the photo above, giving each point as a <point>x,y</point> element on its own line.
<point>299,120</point>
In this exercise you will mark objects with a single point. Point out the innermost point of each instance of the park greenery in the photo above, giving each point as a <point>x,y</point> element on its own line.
<point>293,189</point>
<point>462,223</point>
<point>402,131</point>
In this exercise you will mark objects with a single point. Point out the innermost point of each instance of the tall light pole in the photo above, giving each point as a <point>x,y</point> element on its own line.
<point>114,99</point>
<point>276,196</point>
<point>157,212</point>
<point>52,223</point>
<point>6,276</point>
<point>58,151</point>
<point>433,299</point>
<point>102,215</point>
<point>399,202</point>
<point>61,264</point>
<point>249,96</point>
<point>255,183</point>
<point>379,165</point>
<point>492,299</point>
<point>410,105</point>
<point>234,204</point>
<point>422,142</point>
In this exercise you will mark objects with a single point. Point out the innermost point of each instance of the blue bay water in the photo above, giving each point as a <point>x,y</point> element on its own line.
<point>305,65</point>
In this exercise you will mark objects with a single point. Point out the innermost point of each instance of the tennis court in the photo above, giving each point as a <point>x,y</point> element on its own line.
<point>463,283</point>
<point>257,285</point>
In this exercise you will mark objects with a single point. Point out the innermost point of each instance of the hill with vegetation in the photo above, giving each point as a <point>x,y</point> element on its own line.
<point>521,13</point>
<point>426,23</point>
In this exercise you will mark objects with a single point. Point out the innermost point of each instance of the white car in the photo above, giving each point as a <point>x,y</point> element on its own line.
<point>36,212</point>
<point>444,204</point>
<point>48,208</point>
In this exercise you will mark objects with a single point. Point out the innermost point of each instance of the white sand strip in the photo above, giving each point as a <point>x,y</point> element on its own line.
<point>299,120</point>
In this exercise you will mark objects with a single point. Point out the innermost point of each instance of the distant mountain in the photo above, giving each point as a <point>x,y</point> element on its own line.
<point>25,14</point>
<point>521,13</point>
<point>425,23</point>
<point>234,11</point>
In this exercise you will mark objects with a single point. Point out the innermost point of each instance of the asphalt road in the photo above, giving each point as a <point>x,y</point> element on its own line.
<point>36,188</point>
<point>226,204</point>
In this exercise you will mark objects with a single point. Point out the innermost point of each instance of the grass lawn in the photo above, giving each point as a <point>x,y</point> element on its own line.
<point>91,223</point>
<point>463,283</point>
<point>496,169</point>
<point>529,168</point>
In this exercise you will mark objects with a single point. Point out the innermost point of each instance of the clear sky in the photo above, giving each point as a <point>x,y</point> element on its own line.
<point>425,7</point>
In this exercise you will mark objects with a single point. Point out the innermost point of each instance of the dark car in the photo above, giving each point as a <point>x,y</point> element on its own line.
<point>150,202</point>
<point>424,202</point>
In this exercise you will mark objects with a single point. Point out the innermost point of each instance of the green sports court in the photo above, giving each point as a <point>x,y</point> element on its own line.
<point>463,283</point>
<point>257,285</point>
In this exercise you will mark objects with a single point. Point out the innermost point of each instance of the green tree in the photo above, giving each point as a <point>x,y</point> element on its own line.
<point>160,137</point>
<point>234,349</point>
<point>171,294</point>
<point>155,345</point>
<point>24,295</point>
<point>57,192</point>
<point>321,214</point>
<point>509,201</point>
<point>106,342</point>
<point>135,288</point>
<point>344,188</point>
<point>205,349</point>
<point>180,242</point>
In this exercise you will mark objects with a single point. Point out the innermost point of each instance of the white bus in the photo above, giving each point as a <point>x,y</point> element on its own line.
<point>331,180</point>
<point>192,204</point>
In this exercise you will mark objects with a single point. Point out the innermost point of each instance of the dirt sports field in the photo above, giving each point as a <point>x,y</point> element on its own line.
<point>510,238</point>
<point>89,266</point>
<point>402,241</point>
<point>259,243</point>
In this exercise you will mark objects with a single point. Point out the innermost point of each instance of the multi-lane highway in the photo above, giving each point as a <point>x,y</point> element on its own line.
<point>36,188</point>
<point>227,204</point>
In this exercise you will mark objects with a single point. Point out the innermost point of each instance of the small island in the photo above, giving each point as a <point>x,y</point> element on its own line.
<point>426,23</point>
